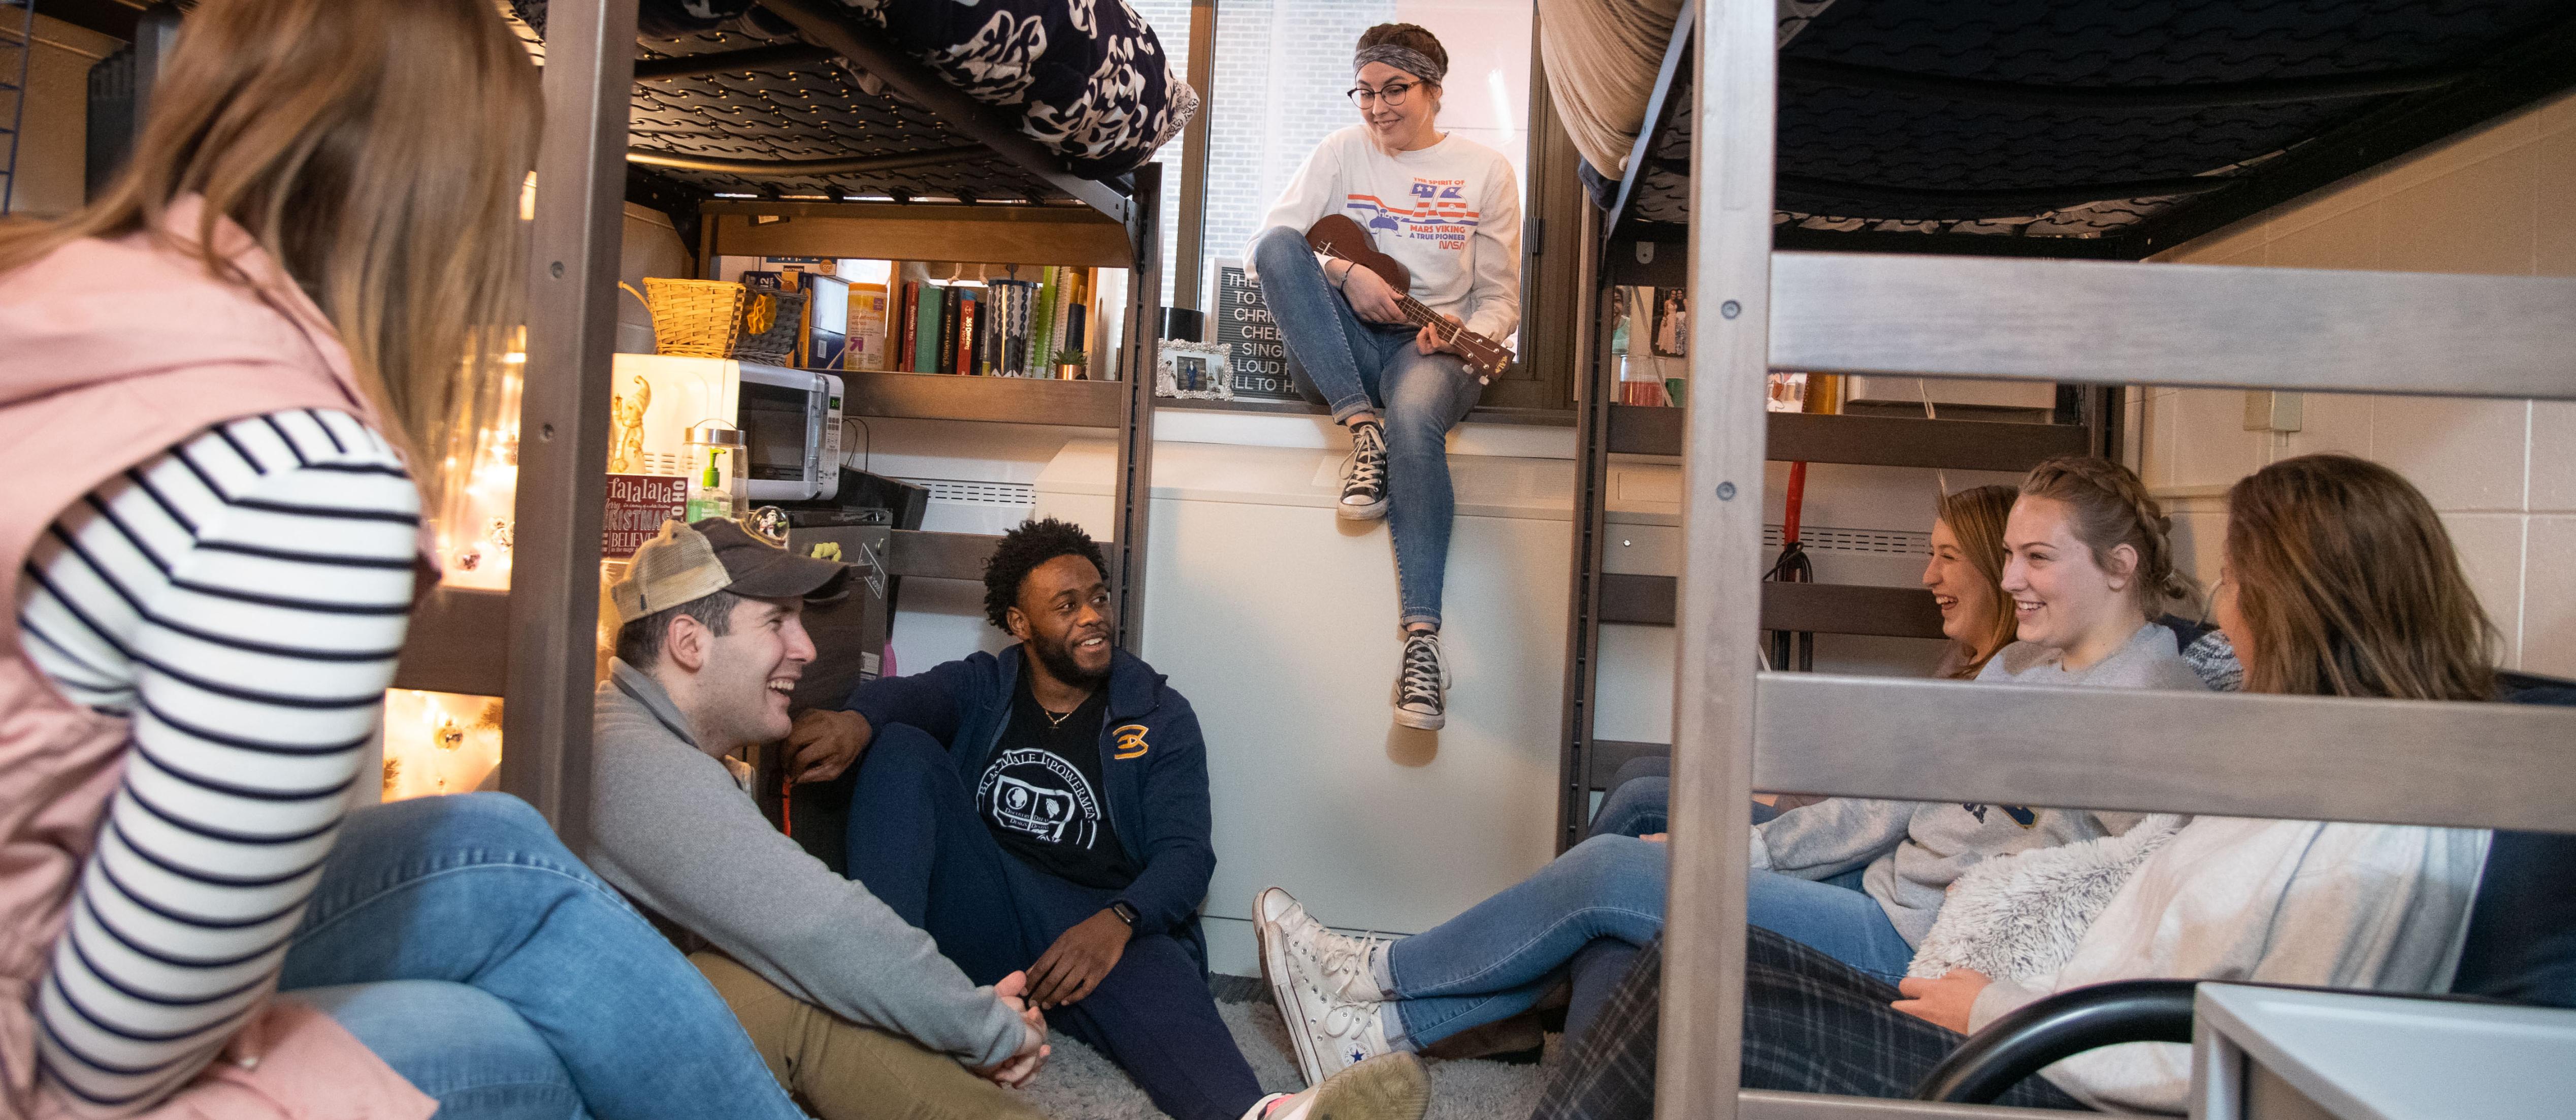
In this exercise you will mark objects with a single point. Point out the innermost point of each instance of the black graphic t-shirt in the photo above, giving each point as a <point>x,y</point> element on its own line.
<point>1043,799</point>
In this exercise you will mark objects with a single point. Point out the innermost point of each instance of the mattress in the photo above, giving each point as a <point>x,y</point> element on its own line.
<point>1859,156</point>
<point>1086,78</point>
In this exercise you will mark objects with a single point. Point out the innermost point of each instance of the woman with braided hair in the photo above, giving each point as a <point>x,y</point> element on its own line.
<point>2089,567</point>
<point>1448,209</point>
<point>2085,566</point>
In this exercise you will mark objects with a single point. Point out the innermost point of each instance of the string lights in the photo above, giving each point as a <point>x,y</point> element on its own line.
<point>439,743</point>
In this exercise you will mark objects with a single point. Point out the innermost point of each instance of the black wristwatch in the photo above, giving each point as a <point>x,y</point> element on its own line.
<point>1125,913</point>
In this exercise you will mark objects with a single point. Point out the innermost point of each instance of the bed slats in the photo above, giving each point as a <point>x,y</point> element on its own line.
<point>823,23</point>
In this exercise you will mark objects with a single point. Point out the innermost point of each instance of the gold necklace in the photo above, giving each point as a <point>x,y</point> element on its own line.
<point>1055,721</point>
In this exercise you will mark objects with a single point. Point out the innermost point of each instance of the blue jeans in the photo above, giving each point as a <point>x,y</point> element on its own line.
<point>458,939</point>
<point>1829,914</point>
<point>1361,366</point>
<point>1833,915</point>
<point>1639,803</point>
<point>1499,957</point>
<point>1590,911</point>
<point>1641,797</point>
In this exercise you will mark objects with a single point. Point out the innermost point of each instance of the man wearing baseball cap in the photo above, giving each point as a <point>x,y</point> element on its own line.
<point>852,1006</point>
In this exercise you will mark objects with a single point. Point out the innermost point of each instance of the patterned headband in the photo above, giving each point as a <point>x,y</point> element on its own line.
<point>1406,59</point>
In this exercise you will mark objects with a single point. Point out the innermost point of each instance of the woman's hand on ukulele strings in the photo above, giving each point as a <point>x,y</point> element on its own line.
<point>1370,296</point>
<point>1434,339</point>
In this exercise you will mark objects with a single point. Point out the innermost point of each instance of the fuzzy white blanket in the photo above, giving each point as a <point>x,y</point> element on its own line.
<point>2020,916</point>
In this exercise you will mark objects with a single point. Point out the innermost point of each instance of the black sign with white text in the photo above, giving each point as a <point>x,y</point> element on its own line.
<point>1260,356</point>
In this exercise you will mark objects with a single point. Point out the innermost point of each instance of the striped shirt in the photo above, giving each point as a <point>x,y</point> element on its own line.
<point>241,598</point>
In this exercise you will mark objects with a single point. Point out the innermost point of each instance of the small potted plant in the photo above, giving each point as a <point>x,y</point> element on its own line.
<point>1069,365</point>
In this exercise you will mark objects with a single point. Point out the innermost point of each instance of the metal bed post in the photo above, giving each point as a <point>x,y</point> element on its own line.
<point>1720,604</point>
<point>563,423</point>
<point>1194,157</point>
<point>1135,488</point>
<point>1591,514</point>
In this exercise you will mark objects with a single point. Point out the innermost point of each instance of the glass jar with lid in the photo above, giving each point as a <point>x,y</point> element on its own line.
<point>715,471</point>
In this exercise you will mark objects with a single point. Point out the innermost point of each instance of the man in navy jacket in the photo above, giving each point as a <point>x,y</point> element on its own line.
<point>1046,810</point>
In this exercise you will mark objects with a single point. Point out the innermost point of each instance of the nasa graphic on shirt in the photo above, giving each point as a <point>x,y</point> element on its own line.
<point>1437,213</point>
<point>1042,796</point>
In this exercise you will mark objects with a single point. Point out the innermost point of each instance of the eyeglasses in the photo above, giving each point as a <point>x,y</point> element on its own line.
<point>1392,94</point>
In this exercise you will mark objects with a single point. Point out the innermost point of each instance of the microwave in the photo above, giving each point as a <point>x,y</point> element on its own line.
<point>790,421</point>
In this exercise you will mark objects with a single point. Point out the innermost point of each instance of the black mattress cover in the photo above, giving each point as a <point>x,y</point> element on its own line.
<point>784,113</point>
<point>1924,143</point>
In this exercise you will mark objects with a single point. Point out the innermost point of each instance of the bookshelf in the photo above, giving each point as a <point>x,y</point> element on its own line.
<point>1000,400</point>
<point>1535,417</point>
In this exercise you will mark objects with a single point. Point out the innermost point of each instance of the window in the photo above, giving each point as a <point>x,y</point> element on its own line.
<point>1282,67</point>
<point>1170,20</point>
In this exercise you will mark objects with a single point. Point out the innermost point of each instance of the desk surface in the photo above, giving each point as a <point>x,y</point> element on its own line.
<point>2369,1057</point>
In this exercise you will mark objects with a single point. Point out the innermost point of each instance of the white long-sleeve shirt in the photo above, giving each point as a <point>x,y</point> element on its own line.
<point>2382,907</point>
<point>241,598</point>
<point>1451,213</point>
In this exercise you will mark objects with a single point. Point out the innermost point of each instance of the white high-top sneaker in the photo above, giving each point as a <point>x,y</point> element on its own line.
<point>1321,981</point>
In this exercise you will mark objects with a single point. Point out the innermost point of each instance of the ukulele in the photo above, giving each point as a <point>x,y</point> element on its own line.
<point>1339,237</point>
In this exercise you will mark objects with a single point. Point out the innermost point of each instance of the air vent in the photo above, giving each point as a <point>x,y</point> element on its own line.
<point>1822,538</point>
<point>979,493</point>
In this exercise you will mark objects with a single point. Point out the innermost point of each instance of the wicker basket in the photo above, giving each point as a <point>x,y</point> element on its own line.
<point>694,318</point>
<point>770,325</point>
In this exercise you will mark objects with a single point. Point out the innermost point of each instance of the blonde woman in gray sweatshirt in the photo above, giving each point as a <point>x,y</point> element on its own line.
<point>2086,566</point>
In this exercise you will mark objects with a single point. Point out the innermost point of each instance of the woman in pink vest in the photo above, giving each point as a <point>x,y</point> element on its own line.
<point>225,388</point>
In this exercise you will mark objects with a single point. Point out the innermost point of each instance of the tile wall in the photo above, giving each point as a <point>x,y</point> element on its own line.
<point>2499,199</point>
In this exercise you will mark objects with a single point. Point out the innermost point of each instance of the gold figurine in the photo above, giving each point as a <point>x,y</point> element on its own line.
<point>626,431</point>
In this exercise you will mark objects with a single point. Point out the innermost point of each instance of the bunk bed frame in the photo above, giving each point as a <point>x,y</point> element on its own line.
<point>2100,322</point>
<point>545,625</point>
<point>2358,121</point>
<point>1636,250</point>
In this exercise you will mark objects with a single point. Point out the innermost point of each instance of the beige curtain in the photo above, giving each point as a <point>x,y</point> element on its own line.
<point>1602,57</point>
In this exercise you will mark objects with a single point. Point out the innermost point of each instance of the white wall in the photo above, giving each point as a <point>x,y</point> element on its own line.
<point>2497,200</point>
<point>648,246</point>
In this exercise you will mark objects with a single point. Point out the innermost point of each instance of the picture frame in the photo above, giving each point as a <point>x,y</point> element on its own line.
<point>1189,370</point>
<point>1671,335</point>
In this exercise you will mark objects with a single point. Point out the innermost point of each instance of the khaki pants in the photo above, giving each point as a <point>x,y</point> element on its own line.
<point>840,1070</point>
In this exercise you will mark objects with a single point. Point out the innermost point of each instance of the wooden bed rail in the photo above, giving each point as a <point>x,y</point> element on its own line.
<point>2289,757</point>
<point>2213,326</point>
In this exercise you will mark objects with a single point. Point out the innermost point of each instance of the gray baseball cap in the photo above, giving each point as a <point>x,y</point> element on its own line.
<point>687,562</point>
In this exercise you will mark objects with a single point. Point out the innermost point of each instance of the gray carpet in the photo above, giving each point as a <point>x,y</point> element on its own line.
<point>1079,1084</point>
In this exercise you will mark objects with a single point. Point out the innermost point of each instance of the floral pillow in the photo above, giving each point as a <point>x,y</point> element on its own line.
<point>1089,77</point>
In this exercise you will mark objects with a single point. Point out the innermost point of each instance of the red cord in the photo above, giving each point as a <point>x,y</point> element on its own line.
<point>1797,498</point>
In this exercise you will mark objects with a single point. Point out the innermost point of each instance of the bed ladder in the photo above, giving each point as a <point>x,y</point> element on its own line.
<point>13,81</point>
<point>1737,729</point>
